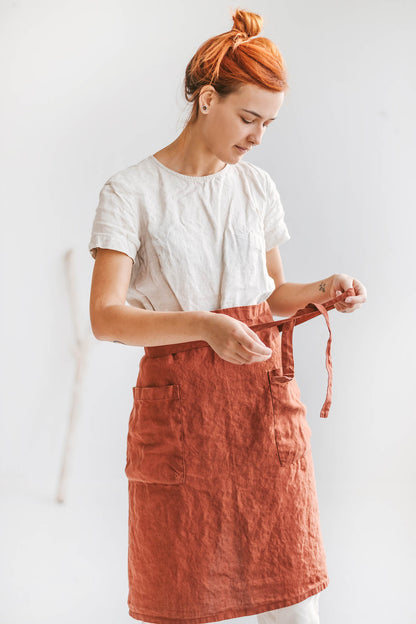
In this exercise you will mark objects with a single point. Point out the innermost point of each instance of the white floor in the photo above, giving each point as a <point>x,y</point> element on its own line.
<point>67,562</point>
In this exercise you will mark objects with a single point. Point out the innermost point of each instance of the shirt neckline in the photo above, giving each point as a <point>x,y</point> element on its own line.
<point>211,176</point>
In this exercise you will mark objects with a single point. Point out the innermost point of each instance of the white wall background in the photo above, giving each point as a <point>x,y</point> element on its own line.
<point>91,87</point>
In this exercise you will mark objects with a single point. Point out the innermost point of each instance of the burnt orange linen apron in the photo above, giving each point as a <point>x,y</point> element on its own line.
<point>223,511</point>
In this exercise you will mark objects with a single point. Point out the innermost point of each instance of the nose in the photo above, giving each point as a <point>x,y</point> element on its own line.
<point>256,136</point>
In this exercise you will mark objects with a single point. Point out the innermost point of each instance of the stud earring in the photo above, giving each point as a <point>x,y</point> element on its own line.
<point>204,107</point>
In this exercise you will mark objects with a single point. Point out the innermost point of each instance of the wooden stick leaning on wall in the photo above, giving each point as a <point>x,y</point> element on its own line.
<point>83,340</point>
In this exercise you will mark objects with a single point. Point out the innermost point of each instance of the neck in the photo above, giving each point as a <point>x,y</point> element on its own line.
<point>188,154</point>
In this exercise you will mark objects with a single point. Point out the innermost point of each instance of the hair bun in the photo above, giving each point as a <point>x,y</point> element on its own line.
<point>223,64</point>
<point>249,24</point>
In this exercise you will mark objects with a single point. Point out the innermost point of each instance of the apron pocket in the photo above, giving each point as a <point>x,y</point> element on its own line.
<point>155,436</point>
<point>291,429</point>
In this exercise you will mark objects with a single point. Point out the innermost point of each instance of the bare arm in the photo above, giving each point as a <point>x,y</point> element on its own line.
<point>113,320</point>
<point>288,297</point>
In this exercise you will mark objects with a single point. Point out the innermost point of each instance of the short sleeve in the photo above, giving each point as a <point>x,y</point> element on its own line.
<point>116,222</point>
<point>275,228</point>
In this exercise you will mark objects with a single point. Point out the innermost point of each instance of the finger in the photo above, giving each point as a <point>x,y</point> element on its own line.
<point>240,358</point>
<point>253,360</point>
<point>360,294</point>
<point>260,350</point>
<point>340,304</point>
<point>252,334</point>
<point>235,360</point>
<point>341,307</point>
<point>251,343</point>
<point>349,308</point>
<point>253,351</point>
<point>359,288</point>
<point>354,299</point>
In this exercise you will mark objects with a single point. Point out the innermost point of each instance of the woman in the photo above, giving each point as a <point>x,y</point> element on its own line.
<point>223,516</point>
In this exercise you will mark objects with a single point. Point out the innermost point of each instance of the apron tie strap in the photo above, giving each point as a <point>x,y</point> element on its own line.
<point>288,365</point>
<point>328,362</point>
<point>286,327</point>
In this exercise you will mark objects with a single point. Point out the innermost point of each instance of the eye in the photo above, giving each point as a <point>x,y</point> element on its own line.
<point>250,122</point>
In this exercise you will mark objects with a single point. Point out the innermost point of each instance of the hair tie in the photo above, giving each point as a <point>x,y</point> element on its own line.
<point>240,37</point>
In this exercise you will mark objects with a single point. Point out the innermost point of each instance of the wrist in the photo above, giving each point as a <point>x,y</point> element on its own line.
<point>200,320</point>
<point>330,286</point>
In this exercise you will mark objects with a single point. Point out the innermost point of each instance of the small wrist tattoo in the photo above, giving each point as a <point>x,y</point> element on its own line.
<point>322,286</point>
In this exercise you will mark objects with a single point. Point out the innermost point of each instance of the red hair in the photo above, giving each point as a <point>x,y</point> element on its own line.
<point>236,57</point>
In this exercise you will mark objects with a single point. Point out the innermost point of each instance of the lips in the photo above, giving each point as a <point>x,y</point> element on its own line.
<point>242,149</point>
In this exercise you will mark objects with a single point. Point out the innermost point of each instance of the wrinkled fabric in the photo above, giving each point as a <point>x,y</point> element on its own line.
<point>215,229</point>
<point>223,510</point>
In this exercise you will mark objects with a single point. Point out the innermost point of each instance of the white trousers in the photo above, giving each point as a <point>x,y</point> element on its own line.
<point>305,612</point>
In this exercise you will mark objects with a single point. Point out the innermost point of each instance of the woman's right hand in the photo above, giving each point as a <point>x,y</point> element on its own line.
<point>233,340</point>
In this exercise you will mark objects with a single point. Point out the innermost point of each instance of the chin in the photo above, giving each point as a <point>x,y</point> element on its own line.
<point>237,155</point>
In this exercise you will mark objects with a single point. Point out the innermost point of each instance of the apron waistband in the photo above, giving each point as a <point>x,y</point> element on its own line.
<point>286,326</point>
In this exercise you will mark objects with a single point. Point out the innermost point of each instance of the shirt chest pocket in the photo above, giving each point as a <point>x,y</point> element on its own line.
<point>249,239</point>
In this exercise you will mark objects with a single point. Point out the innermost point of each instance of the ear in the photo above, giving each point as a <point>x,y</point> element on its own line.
<point>208,95</point>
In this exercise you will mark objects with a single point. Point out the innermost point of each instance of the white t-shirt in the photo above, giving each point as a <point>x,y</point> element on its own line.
<point>197,242</point>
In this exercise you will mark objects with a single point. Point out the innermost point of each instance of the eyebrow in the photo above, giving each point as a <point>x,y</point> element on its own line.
<point>256,114</point>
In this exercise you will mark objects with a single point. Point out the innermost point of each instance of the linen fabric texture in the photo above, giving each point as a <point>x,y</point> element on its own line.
<point>223,509</point>
<point>197,242</point>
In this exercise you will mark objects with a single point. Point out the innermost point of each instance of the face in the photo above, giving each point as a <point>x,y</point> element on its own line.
<point>238,120</point>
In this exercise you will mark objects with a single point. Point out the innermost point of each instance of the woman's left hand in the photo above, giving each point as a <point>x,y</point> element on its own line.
<point>340,282</point>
